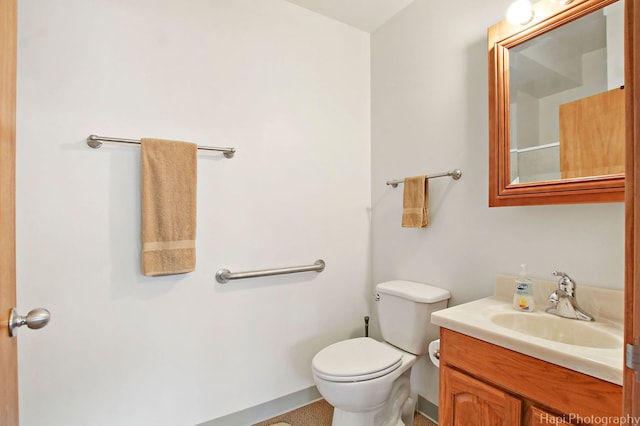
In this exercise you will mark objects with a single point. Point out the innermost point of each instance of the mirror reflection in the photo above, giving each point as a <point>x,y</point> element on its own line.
<point>566,100</point>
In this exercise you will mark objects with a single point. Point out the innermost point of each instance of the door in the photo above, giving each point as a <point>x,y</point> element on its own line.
<point>8,345</point>
<point>632,231</point>
<point>583,124</point>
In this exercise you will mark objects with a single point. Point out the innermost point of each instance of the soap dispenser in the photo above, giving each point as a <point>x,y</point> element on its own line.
<point>523,295</point>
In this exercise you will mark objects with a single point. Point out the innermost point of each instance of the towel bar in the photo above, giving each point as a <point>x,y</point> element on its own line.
<point>95,141</point>
<point>224,275</point>
<point>455,175</point>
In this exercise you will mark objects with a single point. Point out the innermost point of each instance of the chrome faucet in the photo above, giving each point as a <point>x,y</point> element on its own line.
<point>564,300</point>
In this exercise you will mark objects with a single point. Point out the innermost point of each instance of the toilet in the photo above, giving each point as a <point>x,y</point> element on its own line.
<point>367,381</point>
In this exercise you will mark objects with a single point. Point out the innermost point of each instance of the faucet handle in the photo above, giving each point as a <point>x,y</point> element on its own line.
<point>566,283</point>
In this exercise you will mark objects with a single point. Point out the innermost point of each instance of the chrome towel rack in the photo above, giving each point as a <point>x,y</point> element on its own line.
<point>95,141</point>
<point>455,175</point>
<point>224,275</point>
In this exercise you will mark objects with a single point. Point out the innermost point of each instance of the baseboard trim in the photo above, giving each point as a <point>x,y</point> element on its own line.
<point>267,410</point>
<point>428,409</point>
<point>290,402</point>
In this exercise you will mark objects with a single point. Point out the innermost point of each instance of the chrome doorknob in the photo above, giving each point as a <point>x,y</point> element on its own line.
<point>35,319</point>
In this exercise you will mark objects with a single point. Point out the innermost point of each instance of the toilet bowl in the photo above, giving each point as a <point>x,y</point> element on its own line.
<point>368,381</point>
<point>356,374</point>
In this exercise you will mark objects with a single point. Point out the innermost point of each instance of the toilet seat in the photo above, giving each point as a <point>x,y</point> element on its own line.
<point>356,360</point>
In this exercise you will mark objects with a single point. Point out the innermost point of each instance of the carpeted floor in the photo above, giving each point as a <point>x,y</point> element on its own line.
<point>319,414</point>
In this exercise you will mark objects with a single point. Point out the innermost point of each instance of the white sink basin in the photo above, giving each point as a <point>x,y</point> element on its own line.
<point>563,330</point>
<point>593,348</point>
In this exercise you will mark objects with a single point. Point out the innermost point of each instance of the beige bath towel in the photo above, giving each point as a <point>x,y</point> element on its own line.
<point>415,202</point>
<point>169,173</point>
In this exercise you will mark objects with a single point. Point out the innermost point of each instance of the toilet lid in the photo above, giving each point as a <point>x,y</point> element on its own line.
<point>357,359</point>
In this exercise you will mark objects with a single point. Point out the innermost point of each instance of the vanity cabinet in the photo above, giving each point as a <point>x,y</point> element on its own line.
<point>486,385</point>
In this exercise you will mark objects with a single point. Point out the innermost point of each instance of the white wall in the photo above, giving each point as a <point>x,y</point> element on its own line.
<point>290,90</point>
<point>429,114</point>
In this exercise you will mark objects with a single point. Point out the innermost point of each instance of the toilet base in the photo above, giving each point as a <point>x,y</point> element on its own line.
<point>397,411</point>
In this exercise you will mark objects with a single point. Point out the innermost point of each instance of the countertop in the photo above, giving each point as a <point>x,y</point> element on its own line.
<point>474,319</point>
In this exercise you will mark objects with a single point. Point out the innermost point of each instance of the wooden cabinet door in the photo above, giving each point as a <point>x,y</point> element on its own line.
<point>467,401</point>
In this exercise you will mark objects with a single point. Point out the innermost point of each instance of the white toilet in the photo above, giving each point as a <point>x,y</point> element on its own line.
<point>367,381</point>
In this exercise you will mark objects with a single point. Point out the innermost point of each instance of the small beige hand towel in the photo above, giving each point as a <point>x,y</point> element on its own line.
<point>415,202</point>
<point>169,177</point>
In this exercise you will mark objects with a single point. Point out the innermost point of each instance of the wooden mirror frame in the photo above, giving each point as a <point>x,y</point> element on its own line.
<point>501,37</point>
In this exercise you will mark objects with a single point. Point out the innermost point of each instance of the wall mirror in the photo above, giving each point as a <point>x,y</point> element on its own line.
<point>556,105</point>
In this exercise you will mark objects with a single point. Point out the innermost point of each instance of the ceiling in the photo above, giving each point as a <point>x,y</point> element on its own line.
<point>367,15</point>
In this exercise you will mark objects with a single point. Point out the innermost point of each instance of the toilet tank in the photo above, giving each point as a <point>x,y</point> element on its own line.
<point>404,312</point>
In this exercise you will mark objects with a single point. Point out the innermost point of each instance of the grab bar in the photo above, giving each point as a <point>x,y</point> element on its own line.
<point>224,275</point>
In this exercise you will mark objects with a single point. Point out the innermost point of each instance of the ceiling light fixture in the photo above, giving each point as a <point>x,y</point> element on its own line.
<point>520,12</point>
